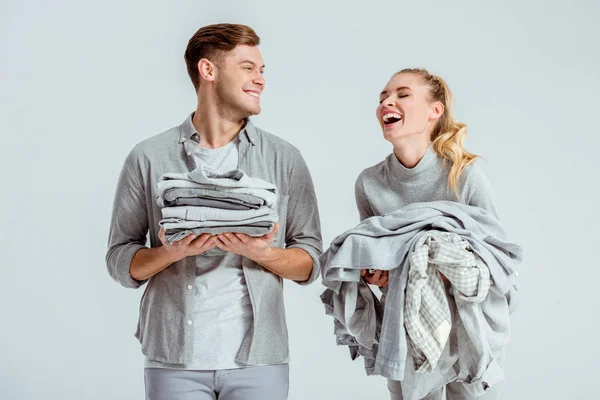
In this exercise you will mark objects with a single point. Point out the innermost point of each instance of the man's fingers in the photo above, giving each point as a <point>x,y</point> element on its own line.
<point>242,237</point>
<point>220,244</point>
<point>233,238</point>
<point>209,243</point>
<point>200,240</point>
<point>223,238</point>
<point>269,237</point>
<point>363,273</point>
<point>187,240</point>
<point>161,236</point>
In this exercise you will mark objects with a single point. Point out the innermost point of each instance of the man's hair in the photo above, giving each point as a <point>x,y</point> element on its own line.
<point>212,41</point>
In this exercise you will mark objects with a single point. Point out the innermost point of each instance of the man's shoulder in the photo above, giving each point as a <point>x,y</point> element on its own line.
<point>271,139</point>
<point>276,143</point>
<point>159,143</point>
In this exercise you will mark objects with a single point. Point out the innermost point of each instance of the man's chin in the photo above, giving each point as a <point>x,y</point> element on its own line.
<point>254,111</point>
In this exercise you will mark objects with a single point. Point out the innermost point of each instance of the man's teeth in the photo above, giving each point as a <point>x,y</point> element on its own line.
<point>253,94</point>
<point>388,117</point>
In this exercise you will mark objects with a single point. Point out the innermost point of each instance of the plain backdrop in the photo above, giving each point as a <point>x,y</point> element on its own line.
<point>83,81</point>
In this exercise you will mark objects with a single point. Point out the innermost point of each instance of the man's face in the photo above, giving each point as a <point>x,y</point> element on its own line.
<point>239,81</point>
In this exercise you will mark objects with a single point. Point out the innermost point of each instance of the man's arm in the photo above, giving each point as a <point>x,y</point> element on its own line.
<point>128,259</point>
<point>129,222</point>
<point>299,261</point>
<point>148,262</point>
<point>294,264</point>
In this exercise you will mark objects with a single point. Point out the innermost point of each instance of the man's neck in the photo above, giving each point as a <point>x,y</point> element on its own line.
<point>215,129</point>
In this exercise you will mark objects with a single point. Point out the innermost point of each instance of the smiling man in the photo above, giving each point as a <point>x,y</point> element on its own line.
<point>212,322</point>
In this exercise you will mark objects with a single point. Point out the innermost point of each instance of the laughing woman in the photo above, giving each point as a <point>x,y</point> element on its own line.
<point>428,163</point>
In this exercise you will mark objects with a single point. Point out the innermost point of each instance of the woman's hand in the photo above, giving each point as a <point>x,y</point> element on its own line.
<point>378,277</point>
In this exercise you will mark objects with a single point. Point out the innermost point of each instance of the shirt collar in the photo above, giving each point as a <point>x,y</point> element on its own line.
<point>188,132</point>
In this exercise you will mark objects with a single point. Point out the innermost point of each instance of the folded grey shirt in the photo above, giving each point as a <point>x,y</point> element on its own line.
<point>195,213</point>
<point>171,196</point>
<point>204,202</point>
<point>178,223</point>
<point>234,181</point>
<point>254,230</point>
<point>385,242</point>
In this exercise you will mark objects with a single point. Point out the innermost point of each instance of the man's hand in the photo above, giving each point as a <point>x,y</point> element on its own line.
<point>378,277</point>
<point>191,245</point>
<point>149,262</point>
<point>254,248</point>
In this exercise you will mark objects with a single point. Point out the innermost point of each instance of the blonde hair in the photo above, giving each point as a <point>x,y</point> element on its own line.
<point>448,134</point>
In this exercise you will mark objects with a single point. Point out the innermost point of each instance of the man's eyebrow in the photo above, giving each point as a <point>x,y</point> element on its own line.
<point>251,62</point>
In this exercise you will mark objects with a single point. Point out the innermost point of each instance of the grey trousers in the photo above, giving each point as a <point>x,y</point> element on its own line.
<point>268,382</point>
<point>454,391</point>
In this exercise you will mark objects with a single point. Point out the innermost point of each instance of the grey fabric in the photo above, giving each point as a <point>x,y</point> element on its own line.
<point>395,388</point>
<point>426,310</point>
<point>385,242</point>
<point>268,382</point>
<point>234,181</point>
<point>454,391</point>
<point>203,202</point>
<point>178,223</point>
<point>218,159</point>
<point>171,195</point>
<point>256,229</point>
<point>167,305</point>
<point>206,214</point>
<point>222,309</point>
<point>388,185</point>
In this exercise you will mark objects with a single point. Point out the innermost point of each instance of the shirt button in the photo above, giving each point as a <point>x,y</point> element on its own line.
<point>189,321</point>
<point>190,287</point>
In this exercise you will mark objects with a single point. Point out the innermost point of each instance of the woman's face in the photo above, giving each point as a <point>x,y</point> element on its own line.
<point>405,108</point>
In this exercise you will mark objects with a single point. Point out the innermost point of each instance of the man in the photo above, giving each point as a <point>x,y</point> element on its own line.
<point>212,321</point>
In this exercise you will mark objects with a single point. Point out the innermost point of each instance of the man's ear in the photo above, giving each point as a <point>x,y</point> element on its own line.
<point>206,70</point>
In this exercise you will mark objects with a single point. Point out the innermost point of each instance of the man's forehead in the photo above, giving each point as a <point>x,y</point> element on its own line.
<point>243,53</point>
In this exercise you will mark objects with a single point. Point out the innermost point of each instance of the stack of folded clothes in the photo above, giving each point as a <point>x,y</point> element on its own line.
<point>204,201</point>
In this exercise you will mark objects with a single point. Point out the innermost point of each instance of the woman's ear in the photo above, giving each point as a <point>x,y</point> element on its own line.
<point>436,110</point>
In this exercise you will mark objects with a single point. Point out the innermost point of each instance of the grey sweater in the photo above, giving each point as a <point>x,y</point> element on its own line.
<point>388,186</point>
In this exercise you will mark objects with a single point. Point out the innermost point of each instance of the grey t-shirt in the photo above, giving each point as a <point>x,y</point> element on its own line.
<point>389,185</point>
<point>222,309</point>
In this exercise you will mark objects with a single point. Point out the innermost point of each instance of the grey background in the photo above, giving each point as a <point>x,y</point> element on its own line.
<point>82,82</point>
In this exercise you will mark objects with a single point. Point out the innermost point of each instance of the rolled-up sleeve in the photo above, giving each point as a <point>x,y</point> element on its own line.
<point>303,225</point>
<point>129,222</point>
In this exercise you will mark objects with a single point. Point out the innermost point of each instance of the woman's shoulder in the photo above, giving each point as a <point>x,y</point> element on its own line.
<point>476,189</point>
<point>473,174</point>
<point>374,172</point>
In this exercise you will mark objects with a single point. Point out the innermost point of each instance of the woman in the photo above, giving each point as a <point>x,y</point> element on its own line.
<point>428,163</point>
